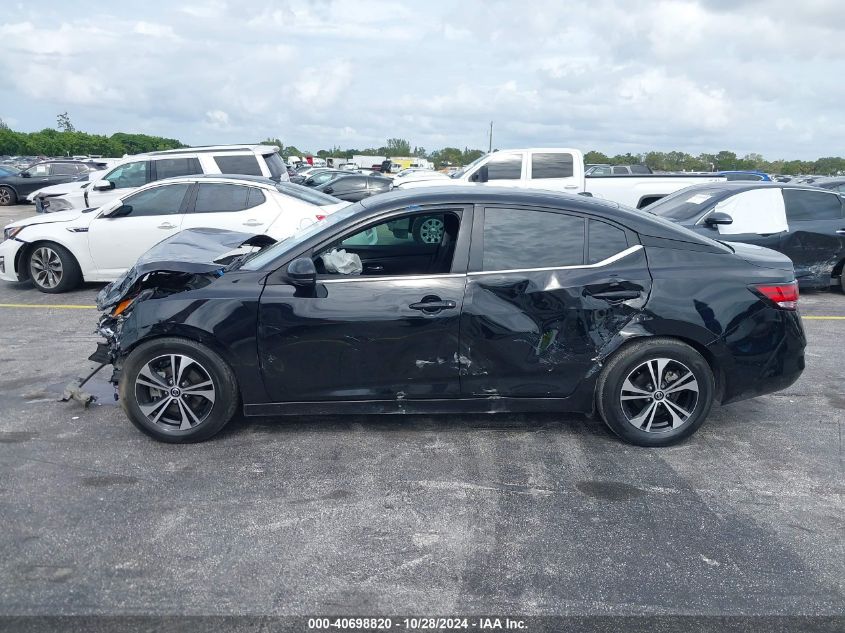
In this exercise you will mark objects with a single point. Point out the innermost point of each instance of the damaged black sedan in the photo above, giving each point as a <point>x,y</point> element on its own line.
<point>519,301</point>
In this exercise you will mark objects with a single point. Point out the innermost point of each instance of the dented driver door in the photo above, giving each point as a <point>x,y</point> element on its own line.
<point>546,292</point>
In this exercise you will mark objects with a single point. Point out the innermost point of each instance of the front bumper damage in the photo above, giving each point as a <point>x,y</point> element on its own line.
<point>186,261</point>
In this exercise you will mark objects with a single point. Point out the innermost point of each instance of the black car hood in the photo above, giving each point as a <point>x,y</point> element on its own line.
<point>189,251</point>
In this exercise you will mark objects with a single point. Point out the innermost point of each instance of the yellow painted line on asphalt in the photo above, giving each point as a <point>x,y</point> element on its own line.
<point>47,305</point>
<point>824,318</point>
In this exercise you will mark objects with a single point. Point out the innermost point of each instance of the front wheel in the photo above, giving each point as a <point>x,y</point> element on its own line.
<point>7,196</point>
<point>177,390</point>
<point>655,392</point>
<point>53,268</point>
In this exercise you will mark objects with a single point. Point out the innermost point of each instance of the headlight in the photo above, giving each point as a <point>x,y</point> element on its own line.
<point>11,231</point>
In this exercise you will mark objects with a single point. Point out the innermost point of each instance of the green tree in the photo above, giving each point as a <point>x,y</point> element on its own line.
<point>397,147</point>
<point>64,124</point>
<point>470,155</point>
<point>593,157</point>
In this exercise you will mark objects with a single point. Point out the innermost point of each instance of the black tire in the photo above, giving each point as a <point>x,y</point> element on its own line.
<point>211,416</point>
<point>421,233</point>
<point>63,269</point>
<point>8,197</point>
<point>625,418</point>
<point>842,280</point>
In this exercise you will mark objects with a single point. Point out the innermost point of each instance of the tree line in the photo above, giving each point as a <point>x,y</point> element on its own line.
<point>67,141</point>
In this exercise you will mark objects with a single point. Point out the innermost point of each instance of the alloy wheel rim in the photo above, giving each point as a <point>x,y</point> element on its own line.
<point>46,267</point>
<point>5,196</point>
<point>175,392</point>
<point>659,395</point>
<point>431,231</point>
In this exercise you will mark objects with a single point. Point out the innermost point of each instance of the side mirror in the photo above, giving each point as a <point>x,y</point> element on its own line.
<point>103,185</point>
<point>308,182</point>
<point>25,174</point>
<point>480,175</point>
<point>302,272</point>
<point>718,217</point>
<point>328,190</point>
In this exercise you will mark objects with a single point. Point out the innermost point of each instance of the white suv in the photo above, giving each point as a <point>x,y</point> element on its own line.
<point>141,169</point>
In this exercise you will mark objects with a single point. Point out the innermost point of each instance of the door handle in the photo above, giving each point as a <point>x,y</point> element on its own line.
<point>841,231</point>
<point>433,306</point>
<point>253,223</point>
<point>616,296</point>
<point>570,186</point>
<point>166,225</point>
<point>376,268</point>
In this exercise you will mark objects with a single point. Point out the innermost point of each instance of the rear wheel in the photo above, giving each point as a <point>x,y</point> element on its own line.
<point>656,392</point>
<point>177,390</point>
<point>7,196</point>
<point>53,268</point>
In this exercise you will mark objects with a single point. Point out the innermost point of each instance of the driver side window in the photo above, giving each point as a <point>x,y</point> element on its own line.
<point>164,200</point>
<point>129,175</point>
<point>413,244</point>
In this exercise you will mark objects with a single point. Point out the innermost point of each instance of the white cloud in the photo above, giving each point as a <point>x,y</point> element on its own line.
<point>217,119</point>
<point>617,76</point>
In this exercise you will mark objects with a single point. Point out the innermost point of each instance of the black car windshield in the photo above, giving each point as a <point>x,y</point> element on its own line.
<point>306,194</point>
<point>277,250</point>
<point>686,204</point>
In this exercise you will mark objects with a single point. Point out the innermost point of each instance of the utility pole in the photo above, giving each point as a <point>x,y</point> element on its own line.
<point>490,148</point>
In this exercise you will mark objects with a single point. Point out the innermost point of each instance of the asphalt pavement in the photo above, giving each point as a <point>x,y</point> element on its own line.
<point>511,514</point>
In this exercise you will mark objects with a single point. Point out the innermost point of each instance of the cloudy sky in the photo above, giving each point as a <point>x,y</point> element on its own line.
<point>750,76</point>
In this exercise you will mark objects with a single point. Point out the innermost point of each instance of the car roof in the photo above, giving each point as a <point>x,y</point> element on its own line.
<point>204,149</point>
<point>226,178</point>
<point>744,185</point>
<point>639,221</point>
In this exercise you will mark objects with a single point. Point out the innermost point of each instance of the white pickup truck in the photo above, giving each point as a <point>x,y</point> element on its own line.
<point>562,169</point>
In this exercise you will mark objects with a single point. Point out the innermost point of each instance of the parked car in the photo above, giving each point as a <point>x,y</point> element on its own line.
<point>136,171</point>
<point>42,198</point>
<point>805,223</point>
<point>322,175</point>
<point>17,186</point>
<point>834,183</point>
<point>618,170</point>
<point>557,303</point>
<point>752,176</point>
<point>354,188</point>
<point>410,175</point>
<point>562,169</point>
<point>57,251</point>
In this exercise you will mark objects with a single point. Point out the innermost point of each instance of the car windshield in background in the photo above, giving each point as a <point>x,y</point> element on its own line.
<point>685,205</point>
<point>464,170</point>
<point>306,194</point>
<point>264,257</point>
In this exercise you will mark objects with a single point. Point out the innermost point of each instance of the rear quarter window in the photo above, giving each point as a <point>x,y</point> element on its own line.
<point>245,164</point>
<point>604,241</point>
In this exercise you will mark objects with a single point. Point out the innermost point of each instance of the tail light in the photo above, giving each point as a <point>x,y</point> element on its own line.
<point>320,217</point>
<point>784,295</point>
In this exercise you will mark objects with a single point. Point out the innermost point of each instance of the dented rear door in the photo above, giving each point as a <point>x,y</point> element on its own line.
<point>546,291</point>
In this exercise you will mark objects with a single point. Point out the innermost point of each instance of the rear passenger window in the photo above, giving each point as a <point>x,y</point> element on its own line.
<point>617,171</point>
<point>521,238</point>
<point>221,198</point>
<point>245,164</point>
<point>172,167</point>
<point>64,169</point>
<point>604,240</point>
<point>504,167</point>
<point>256,197</point>
<point>811,205</point>
<point>549,165</point>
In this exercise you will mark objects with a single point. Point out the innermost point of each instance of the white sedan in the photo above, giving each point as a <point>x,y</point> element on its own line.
<point>57,251</point>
